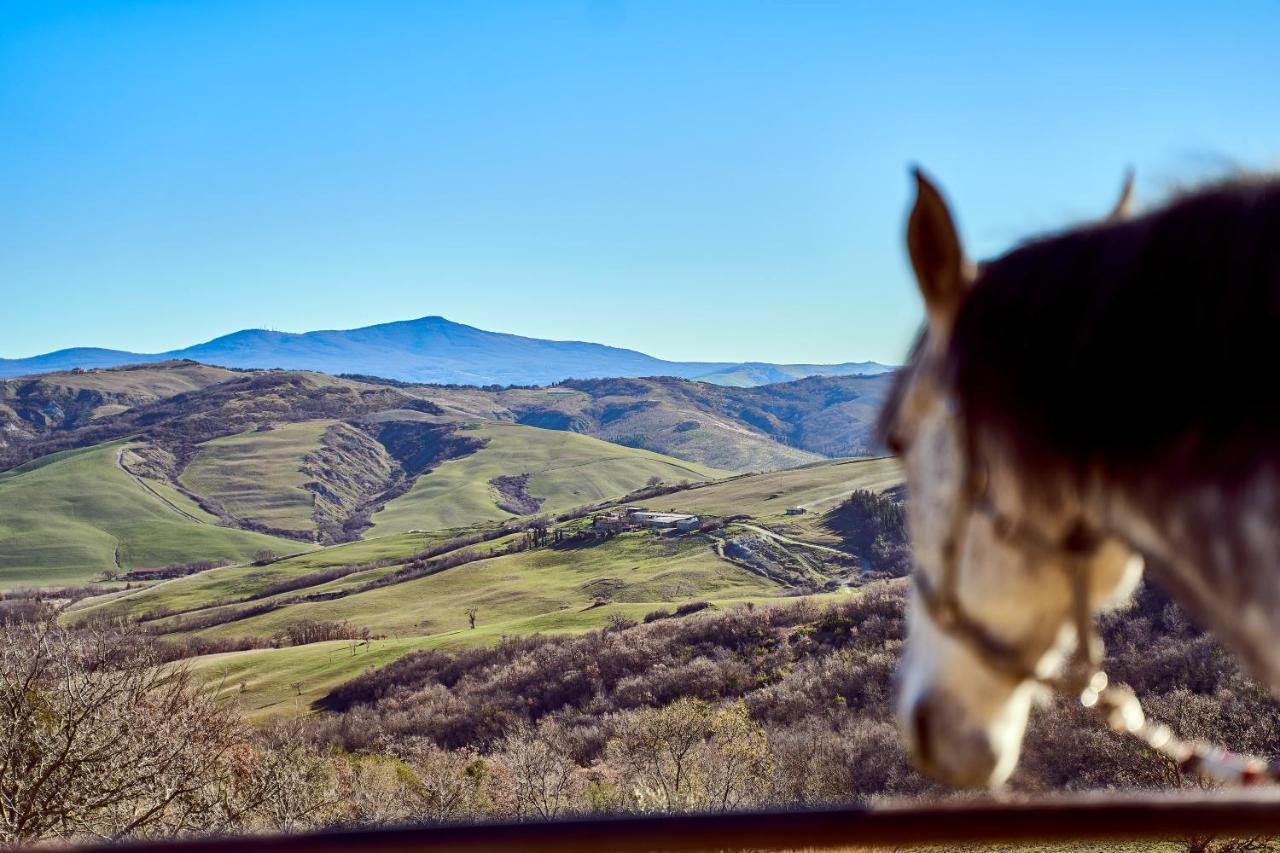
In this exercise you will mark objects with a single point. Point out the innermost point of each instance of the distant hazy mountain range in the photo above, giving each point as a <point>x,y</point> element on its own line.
<point>435,350</point>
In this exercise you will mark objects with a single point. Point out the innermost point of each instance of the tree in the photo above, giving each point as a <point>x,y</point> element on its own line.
<point>98,739</point>
<point>299,787</point>
<point>540,767</point>
<point>739,763</point>
<point>471,616</point>
<point>690,756</point>
<point>446,784</point>
<point>658,750</point>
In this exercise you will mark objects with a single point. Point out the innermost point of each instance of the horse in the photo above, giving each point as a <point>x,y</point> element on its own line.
<point>1093,404</point>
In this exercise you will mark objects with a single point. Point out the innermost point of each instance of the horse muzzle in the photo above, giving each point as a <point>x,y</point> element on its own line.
<point>947,746</point>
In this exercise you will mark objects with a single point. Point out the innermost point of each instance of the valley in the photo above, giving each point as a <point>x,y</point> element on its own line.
<point>390,598</point>
<point>292,529</point>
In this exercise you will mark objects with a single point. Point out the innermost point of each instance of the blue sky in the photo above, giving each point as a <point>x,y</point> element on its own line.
<point>695,180</point>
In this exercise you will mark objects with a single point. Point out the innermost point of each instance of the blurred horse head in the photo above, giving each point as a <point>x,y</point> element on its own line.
<point>1047,448</point>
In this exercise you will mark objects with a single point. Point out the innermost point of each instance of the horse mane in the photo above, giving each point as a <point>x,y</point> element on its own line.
<point>1149,346</point>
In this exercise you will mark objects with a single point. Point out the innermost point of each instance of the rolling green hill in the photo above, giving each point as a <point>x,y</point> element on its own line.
<point>563,587</point>
<point>68,517</point>
<point>258,475</point>
<point>556,591</point>
<point>179,404</point>
<point>565,470</point>
<point>815,488</point>
<point>554,587</point>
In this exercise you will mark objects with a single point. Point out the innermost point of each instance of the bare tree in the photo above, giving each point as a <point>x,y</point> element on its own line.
<point>689,755</point>
<point>448,784</point>
<point>471,616</point>
<point>542,773</point>
<point>98,739</point>
<point>297,788</point>
<point>658,749</point>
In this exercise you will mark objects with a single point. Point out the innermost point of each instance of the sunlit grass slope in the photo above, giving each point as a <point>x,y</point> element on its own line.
<point>548,591</point>
<point>236,583</point>
<point>558,586</point>
<point>258,475</point>
<point>69,516</point>
<point>816,487</point>
<point>566,470</point>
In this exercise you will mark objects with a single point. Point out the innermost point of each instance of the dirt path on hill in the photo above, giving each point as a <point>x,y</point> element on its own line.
<point>789,541</point>
<point>142,483</point>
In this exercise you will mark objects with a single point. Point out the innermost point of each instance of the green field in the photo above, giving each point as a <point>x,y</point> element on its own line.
<point>553,585</point>
<point>236,583</point>
<point>67,517</point>
<point>567,470</point>
<point>817,488</point>
<point>258,475</point>
<point>554,589</point>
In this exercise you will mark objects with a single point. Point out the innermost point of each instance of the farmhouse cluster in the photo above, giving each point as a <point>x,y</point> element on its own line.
<point>634,517</point>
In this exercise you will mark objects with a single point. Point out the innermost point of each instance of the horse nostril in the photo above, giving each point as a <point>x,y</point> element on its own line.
<point>920,732</point>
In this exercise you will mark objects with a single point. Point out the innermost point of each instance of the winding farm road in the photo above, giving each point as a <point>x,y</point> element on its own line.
<point>173,506</point>
<point>788,540</point>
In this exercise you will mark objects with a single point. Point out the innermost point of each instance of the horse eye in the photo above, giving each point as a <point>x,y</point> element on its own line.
<point>896,444</point>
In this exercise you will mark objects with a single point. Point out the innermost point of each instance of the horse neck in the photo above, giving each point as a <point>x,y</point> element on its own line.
<point>1216,548</point>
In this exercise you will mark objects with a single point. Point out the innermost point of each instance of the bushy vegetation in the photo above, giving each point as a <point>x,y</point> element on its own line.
<point>700,709</point>
<point>874,526</point>
<point>816,681</point>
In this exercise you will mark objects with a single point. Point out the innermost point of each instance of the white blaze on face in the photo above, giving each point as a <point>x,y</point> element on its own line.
<point>964,719</point>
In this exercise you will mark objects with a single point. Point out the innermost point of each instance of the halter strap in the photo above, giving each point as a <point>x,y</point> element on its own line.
<point>1116,706</point>
<point>943,603</point>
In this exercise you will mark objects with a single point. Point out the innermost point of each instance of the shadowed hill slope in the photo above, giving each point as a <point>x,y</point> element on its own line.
<point>738,429</point>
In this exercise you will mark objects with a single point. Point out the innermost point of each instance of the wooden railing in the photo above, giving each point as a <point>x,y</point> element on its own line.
<point>1092,817</point>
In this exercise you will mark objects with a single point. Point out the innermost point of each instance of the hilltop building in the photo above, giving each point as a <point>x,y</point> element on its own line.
<point>633,517</point>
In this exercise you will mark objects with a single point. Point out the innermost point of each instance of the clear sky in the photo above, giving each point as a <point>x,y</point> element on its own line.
<point>695,180</point>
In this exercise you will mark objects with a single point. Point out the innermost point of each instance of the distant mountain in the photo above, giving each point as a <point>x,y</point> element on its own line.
<point>753,373</point>
<point>436,350</point>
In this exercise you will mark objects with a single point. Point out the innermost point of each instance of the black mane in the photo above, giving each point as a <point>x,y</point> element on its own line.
<point>1151,341</point>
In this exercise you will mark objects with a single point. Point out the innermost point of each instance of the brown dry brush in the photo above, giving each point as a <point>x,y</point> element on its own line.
<point>99,740</point>
<point>717,710</point>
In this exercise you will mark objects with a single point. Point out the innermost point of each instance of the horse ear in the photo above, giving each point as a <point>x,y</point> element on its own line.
<point>941,270</point>
<point>1124,206</point>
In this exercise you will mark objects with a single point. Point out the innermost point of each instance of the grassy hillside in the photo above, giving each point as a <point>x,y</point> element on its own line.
<point>262,681</point>
<point>561,588</point>
<point>555,586</point>
<point>816,487</point>
<point>258,475</point>
<point>736,429</point>
<point>237,583</point>
<point>559,591</point>
<point>32,406</point>
<point>139,383</point>
<point>67,517</point>
<point>566,470</point>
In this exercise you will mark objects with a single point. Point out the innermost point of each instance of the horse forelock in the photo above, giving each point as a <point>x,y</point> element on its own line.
<point>1143,348</point>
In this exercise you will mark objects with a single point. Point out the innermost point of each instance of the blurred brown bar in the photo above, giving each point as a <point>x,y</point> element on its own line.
<point>1090,817</point>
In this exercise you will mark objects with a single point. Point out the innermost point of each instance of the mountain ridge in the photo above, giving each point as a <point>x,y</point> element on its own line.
<point>434,350</point>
